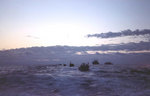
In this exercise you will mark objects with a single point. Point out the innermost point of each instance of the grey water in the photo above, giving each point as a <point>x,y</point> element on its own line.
<point>59,80</point>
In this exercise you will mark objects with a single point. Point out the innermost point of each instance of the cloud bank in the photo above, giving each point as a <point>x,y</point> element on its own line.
<point>118,54</point>
<point>122,33</point>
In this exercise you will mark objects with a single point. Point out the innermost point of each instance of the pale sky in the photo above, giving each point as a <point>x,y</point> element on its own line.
<point>27,23</point>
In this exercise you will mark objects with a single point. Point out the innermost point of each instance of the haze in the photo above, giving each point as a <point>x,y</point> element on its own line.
<point>27,23</point>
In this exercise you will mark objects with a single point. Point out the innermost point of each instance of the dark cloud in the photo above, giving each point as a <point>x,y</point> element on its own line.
<point>122,33</point>
<point>65,54</point>
<point>128,46</point>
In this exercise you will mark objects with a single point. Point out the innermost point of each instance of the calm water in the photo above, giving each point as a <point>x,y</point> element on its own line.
<point>101,80</point>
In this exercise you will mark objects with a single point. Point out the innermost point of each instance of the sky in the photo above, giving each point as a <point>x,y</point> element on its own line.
<point>27,23</point>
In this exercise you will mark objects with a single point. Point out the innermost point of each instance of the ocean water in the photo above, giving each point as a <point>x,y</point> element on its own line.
<point>52,80</point>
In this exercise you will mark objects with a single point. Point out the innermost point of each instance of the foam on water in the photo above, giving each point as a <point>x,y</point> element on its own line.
<point>69,81</point>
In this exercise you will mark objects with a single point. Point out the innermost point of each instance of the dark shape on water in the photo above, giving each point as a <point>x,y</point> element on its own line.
<point>40,67</point>
<point>59,64</point>
<point>108,63</point>
<point>84,67</point>
<point>142,71</point>
<point>64,64</point>
<point>71,64</point>
<point>95,62</point>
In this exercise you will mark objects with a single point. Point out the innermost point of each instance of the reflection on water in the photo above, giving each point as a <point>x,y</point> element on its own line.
<point>69,81</point>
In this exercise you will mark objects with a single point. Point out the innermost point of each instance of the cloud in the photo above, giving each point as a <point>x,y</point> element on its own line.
<point>77,55</point>
<point>124,46</point>
<point>34,37</point>
<point>122,33</point>
<point>133,46</point>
